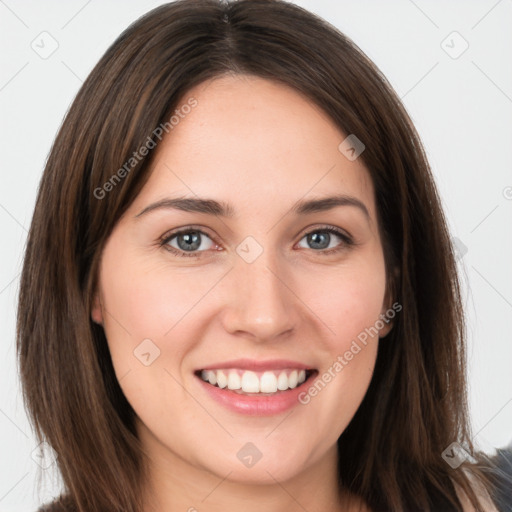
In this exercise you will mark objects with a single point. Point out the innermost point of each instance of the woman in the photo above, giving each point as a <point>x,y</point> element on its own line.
<point>239,289</point>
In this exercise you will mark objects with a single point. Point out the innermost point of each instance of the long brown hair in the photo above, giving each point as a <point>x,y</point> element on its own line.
<point>415,407</point>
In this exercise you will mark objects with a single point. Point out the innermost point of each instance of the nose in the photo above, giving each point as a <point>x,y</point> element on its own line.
<point>261,303</point>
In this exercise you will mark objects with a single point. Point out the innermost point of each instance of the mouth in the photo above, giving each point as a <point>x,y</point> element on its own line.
<point>256,387</point>
<point>264,383</point>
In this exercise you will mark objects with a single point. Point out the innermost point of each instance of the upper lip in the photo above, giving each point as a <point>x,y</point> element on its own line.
<point>253,364</point>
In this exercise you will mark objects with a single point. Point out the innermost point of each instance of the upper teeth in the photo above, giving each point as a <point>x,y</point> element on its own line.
<point>252,382</point>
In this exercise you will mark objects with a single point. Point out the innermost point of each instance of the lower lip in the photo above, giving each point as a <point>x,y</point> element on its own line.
<point>253,405</point>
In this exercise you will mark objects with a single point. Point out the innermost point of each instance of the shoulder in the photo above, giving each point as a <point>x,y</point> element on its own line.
<point>484,499</point>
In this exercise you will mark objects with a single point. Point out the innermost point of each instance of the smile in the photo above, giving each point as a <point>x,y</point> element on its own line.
<point>256,388</point>
<point>247,381</point>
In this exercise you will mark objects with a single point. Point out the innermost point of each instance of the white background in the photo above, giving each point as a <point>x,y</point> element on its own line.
<point>462,108</point>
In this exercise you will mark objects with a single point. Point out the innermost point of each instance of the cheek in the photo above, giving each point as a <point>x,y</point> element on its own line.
<point>350,305</point>
<point>147,311</point>
<point>348,301</point>
<point>147,301</point>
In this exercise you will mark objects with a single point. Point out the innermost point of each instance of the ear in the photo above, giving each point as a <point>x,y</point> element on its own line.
<point>390,306</point>
<point>96,309</point>
<point>386,321</point>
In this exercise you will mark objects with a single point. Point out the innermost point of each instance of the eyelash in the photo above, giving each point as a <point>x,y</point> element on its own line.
<point>347,241</point>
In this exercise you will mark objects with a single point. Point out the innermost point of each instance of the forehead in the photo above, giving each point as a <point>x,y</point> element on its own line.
<point>250,140</point>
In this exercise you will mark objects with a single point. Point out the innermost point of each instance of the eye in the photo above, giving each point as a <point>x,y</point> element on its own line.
<point>192,242</point>
<point>324,240</point>
<point>187,242</point>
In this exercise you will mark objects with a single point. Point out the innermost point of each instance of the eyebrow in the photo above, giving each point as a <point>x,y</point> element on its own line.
<point>222,209</point>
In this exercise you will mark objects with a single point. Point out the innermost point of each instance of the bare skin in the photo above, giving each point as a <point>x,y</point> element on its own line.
<point>260,147</point>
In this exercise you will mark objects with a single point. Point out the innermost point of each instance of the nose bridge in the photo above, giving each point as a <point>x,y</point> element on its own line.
<point>261,304</point>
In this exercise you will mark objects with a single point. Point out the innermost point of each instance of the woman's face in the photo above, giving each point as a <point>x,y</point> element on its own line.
<point>255,294</point>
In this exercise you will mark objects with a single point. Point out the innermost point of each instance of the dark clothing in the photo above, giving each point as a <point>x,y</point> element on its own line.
<point>503,495</point>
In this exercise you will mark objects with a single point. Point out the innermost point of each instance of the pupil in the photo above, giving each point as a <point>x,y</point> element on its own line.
<point>315,239</point>
<point>189,241</point>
